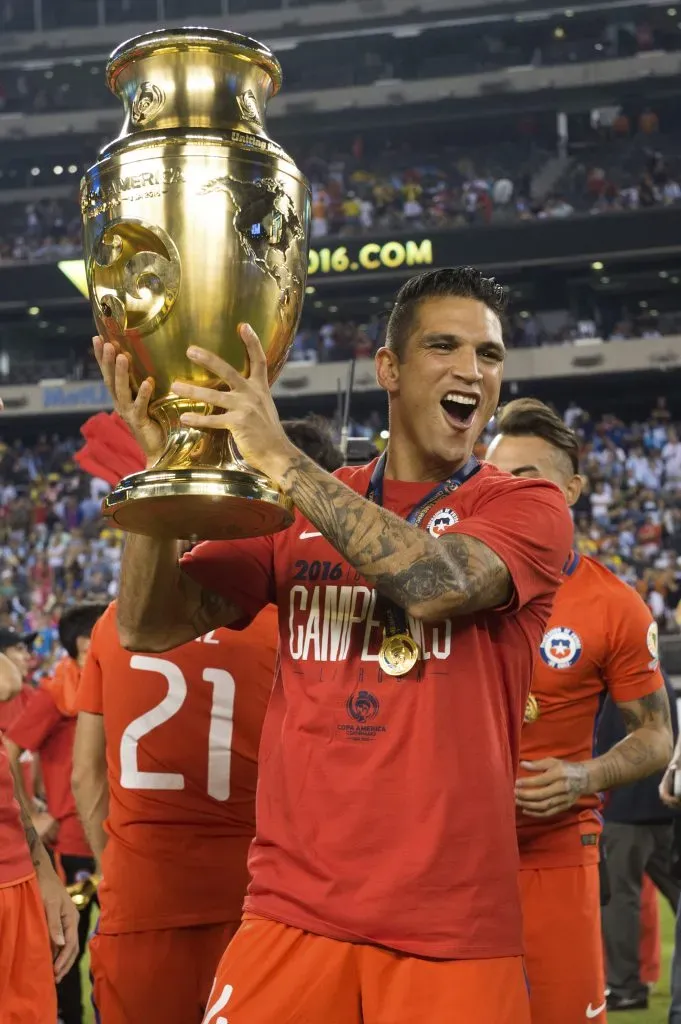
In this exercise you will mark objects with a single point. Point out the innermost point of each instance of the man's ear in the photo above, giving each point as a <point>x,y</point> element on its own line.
<point>574,489</point>
<point>387,370</point>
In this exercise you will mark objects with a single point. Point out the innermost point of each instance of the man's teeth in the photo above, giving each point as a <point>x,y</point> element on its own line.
<point>460,399</point>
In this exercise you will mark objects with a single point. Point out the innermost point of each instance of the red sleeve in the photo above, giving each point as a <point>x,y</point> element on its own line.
<point>527,523</point>
<point>632,668</point>
<point>35,723</point>
<point>241,571</point>
<point>89,697</point>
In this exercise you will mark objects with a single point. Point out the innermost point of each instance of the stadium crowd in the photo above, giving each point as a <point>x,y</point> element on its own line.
<point>55,549</point>
<point>357,189</point>
<point>335,339</point>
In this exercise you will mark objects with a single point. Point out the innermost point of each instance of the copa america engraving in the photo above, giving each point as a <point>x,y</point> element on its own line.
<point>195,221</point>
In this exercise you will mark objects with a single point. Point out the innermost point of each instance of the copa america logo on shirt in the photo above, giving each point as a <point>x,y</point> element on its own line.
<point>561,647</point>
<point>362,706</point>
<point>440,522</point>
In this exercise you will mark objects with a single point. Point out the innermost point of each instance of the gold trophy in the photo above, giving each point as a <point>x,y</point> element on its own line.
<point>194,222</point>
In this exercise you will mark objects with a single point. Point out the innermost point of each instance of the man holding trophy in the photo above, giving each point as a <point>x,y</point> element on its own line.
<point>412,593</point>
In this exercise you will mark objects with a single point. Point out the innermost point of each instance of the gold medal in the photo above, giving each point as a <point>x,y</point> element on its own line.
<point>398,654</point>
<point>531,709</point>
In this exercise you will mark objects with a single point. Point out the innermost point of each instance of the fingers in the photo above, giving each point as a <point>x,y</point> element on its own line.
<point>115,370</point>
<point>122,390</point>
<point>256,355</point>
<point>216,365</point>
<point>218,421</point>
<point>211,396</point>
<point>552,788</point>
<point>106,357</point>
<point>540,766</point>
<point>140,407</point>
<point>549,812</point>
<point>666,788</point>
<point>257,360</point>
<point>67,956</point>
<point>537,781</point>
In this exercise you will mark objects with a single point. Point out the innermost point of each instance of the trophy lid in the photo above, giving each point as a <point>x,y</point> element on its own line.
<point>188,38</point>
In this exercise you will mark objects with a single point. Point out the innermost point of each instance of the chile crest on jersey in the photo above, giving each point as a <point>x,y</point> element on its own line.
<point>561,647</point>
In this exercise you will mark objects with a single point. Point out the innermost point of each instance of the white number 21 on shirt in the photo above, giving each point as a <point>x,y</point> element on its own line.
<point>219,737</point>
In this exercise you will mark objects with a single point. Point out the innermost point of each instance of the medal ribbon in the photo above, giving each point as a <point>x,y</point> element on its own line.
<point>395,618</point>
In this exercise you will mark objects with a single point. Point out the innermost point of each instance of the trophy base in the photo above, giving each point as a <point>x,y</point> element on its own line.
<point>198,504</point>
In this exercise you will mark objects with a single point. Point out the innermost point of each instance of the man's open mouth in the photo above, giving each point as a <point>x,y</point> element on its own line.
<point>460,408</point>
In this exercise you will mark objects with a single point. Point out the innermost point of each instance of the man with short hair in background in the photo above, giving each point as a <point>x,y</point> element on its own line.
<point>600,639</point>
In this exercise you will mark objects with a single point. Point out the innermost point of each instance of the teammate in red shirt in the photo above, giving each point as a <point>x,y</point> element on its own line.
<point>38,922</point>
<point>165,771</point>
<point>600,639</point>
<point>385,862</point>
<point>47,727</point>
<point>181,732</point>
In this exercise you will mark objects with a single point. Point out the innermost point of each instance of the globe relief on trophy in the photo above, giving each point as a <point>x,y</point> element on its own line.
<point>195,221</point>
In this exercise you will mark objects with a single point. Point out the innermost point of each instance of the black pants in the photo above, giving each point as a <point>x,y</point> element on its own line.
<point>630,851</point>
<point>69,989</point>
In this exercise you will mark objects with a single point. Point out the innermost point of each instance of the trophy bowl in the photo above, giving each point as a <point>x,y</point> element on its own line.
<point>195,221</point>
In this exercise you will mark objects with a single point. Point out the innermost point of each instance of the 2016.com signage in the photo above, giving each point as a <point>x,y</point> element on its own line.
<point>363,256</point>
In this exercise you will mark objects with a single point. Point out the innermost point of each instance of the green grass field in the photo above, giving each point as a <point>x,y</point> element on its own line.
<point>656,1014</point>
<point>658,1010</point>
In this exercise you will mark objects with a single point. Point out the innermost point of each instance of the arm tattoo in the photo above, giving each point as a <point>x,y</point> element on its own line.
<point>430,578</point>
<point>627,762</point>
<point>35,846</point>
<point>647,746</point>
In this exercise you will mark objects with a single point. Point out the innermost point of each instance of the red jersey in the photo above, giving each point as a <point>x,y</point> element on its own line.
<point>11,709</point>
<point>44,730</point>
<point>182,735</point>
<point>385,805</point>
<point>9,712</point>
<point>601,639</point>
<point>15,860</point>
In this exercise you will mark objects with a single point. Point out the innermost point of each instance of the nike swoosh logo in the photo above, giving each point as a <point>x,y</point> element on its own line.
<point>591,1013</point>
<point>306,534</point>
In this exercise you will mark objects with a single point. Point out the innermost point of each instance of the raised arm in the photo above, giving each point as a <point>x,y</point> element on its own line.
<point>429,578</point>
<point>159,605</point>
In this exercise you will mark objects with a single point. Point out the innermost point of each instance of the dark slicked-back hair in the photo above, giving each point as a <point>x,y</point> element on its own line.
<point>78,621</point>
<point>450,282</point>
<point>528,417</point>
<point>313,436</point>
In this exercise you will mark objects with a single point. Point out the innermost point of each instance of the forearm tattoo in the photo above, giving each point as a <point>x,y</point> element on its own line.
<point>35,846</point>
<point>453,575</point>
<point>646,748</point>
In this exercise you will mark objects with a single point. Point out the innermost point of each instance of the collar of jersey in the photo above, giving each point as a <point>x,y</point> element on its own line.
<point>572,563</point>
